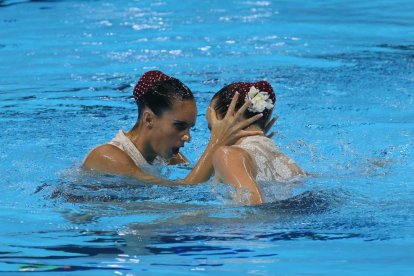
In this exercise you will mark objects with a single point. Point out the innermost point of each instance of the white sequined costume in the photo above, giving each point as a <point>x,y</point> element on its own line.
<point>272,166</point>
<point>271,163</point>
<point>122,142</point>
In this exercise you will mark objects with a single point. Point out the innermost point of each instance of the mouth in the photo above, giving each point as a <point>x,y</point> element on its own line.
<point>175,150</point>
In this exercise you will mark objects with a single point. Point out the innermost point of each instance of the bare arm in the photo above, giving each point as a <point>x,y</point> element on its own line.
<point>224,132</point>
<point>110,159</point>
<point>234,166</point>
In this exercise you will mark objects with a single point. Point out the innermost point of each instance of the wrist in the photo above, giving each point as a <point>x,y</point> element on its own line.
<point>214,143</point>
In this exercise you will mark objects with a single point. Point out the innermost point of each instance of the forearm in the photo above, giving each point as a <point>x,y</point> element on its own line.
<point>203,170</point>
<point>151,179</point>
<point>224,132</point>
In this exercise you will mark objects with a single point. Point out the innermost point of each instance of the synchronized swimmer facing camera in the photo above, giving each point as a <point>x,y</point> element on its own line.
<point>238,117</point>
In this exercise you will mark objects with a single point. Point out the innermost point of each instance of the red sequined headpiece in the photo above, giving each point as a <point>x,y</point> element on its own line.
<point>147,80</point>
<point>244,87</point>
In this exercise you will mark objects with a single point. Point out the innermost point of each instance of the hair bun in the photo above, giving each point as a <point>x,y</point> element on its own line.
<point>243,89</point>
<point>147,80</point>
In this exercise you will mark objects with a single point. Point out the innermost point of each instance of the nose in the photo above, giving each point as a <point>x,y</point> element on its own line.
<point>186,137</point>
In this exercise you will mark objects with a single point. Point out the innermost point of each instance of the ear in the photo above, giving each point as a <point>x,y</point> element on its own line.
<point>148,118</point>
<point>211,114</point>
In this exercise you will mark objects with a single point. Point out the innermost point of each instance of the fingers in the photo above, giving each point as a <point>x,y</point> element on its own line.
<point>245,133</point>
<point>241,111</point>
<point>270,124</point>
<point>232,105</point>
<point>251,120</point>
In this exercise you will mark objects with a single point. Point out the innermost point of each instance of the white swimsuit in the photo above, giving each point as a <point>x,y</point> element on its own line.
<point>271,163</point>
<point>122,142</point>
<point>272,166</point>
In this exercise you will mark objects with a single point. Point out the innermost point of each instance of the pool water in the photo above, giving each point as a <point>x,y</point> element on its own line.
<point>343,72</point>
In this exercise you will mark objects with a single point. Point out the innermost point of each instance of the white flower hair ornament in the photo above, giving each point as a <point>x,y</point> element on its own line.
<point>259,100</point>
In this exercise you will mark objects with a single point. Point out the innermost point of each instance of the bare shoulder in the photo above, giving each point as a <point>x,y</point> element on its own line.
<point>110,159</point>
<point>232,154</point>
<point>235,166</point>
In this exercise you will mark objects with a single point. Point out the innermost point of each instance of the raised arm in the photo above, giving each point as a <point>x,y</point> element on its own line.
<point>224,132</point>
<point>110,159</point>
<point>235,166</point>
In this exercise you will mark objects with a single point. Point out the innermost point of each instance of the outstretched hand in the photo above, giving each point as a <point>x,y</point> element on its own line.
<point>231,128</point>
<point>224,132</point>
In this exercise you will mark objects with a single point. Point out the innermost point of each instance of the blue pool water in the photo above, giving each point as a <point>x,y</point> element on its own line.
<point>344,76</point>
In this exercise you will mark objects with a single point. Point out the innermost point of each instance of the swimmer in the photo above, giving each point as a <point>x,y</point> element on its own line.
<point>166,113</point>
<point>254,158</point>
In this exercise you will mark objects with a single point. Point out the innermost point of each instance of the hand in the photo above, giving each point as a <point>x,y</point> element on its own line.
<point>228,130</point>
<point>268,126</point>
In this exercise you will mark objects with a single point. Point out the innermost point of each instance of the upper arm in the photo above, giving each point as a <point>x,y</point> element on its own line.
<point>235,166</point>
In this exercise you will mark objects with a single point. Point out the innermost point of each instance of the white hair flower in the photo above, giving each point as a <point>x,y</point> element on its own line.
<point>259,99</point>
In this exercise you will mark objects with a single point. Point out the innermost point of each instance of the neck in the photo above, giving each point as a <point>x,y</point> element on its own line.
<point>139,137</point>
<point>253,127</point>
<point>249,128</point>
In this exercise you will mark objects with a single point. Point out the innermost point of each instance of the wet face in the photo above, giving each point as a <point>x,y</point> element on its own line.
<point>172,129</point>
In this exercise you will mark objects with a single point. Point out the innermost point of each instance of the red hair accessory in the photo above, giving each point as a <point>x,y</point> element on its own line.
<point>260,93</point>
<point>147,80</point>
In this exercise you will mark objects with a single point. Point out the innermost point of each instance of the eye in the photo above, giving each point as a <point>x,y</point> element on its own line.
<point>180,126</point>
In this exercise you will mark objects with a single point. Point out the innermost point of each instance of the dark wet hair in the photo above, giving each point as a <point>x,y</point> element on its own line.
<point>223,97</point>
<point>158,91</point>
<point>161,95</point>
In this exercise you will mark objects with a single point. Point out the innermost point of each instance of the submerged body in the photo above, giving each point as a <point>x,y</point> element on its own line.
<point>166,113</point>
<point>154,140</point>
<point>122,142</point>
<point>256,158</point>
<point>253,160</point>
<point>270,163</point>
